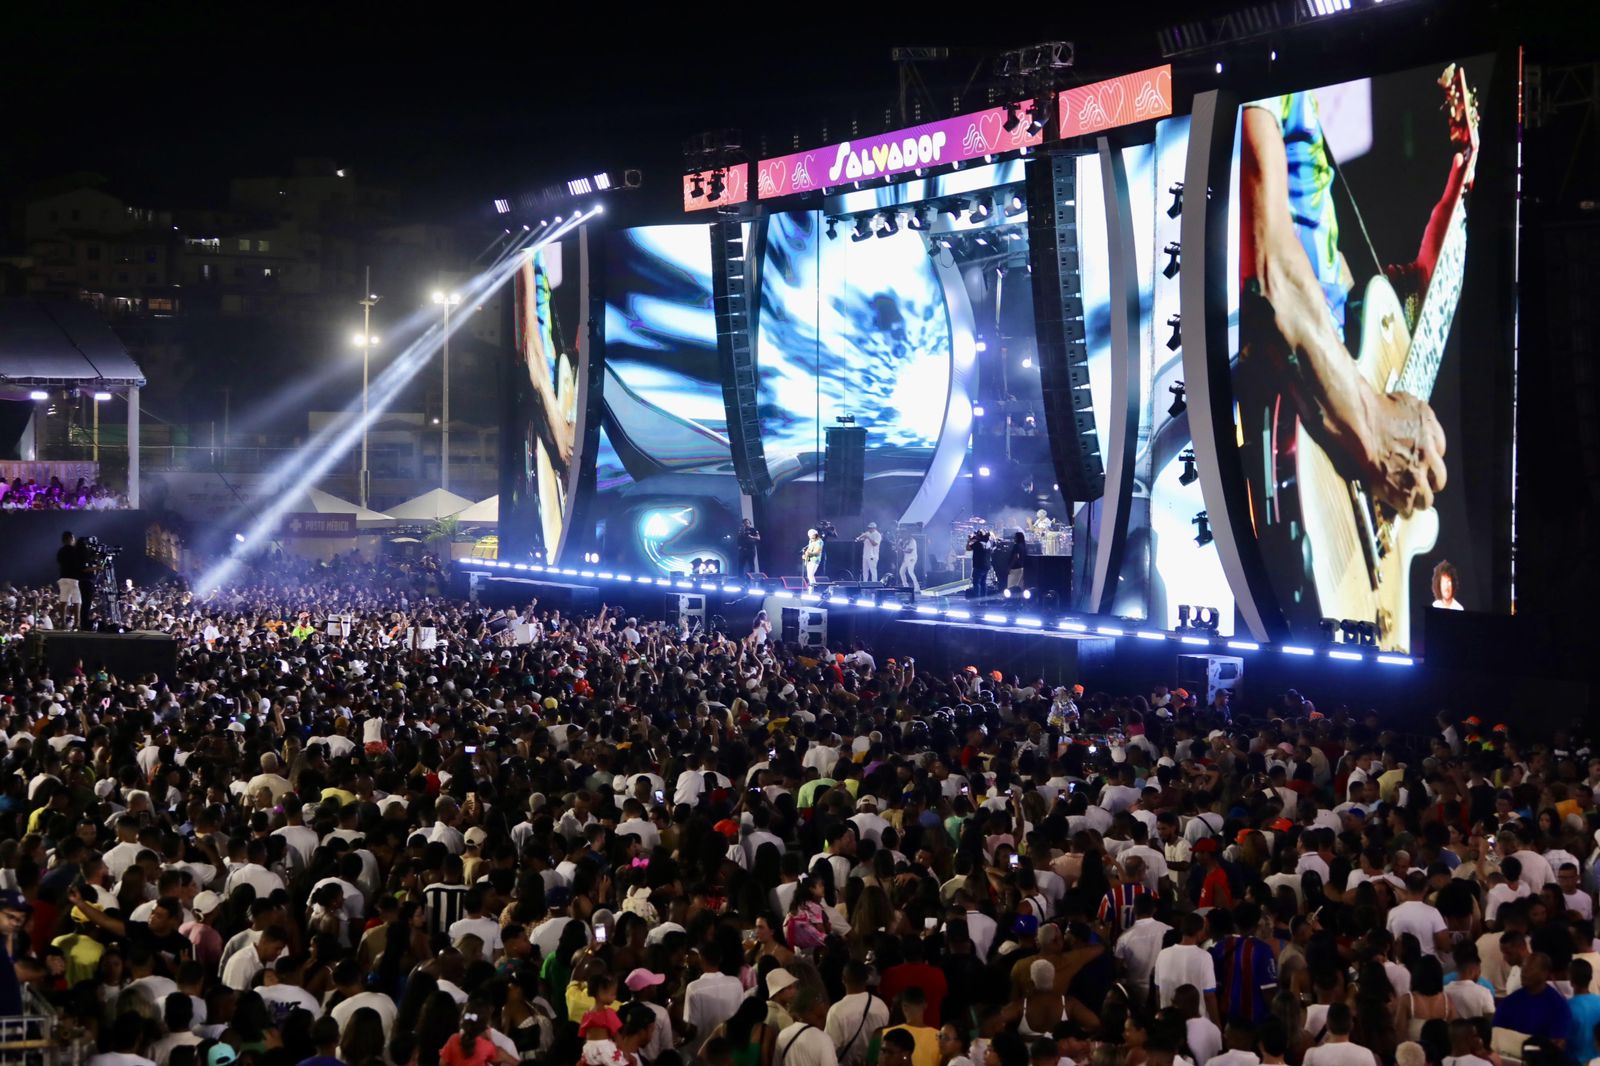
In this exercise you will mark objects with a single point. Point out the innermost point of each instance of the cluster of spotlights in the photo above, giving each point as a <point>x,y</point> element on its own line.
<point>978,210</point>
<point>1198,619</point>
<point>1032,118</point>
<point>1349,631</point>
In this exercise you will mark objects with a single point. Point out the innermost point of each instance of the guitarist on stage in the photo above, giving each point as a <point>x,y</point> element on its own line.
<point>1290,258</point>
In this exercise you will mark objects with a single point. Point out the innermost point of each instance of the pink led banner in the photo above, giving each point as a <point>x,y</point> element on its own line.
<point>1119,101</point>
<point>931,144</point>
<point>736,188</point>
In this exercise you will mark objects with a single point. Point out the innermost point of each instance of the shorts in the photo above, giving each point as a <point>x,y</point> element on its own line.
<point>70,594</point>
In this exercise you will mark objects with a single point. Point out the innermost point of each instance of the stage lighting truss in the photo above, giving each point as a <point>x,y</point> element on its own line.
<point>1034,73</point>
<point>1026,608</point>
<point>713,154</point>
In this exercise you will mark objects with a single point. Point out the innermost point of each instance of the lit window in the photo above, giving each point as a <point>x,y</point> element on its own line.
<point>261,246</point>
<point>266,272</point>
<point>244,244</point>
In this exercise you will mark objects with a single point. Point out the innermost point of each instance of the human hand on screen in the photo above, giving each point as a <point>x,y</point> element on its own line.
<point>1403,452</point>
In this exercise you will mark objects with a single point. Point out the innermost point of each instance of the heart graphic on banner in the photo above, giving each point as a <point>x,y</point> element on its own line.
<point>989,129</point>
<point>772,177</point>
<point>1111,100</point>
<point>736,180</point>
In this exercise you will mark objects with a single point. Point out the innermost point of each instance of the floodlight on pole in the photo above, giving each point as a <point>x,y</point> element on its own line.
<point>366,341</point>
<point>446,301</point>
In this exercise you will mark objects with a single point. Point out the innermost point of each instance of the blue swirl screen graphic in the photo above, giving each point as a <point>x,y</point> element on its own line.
<point>849,328</point>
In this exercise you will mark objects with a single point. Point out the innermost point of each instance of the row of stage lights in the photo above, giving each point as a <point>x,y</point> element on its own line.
<point>1198,632</point>
<point>979,209</point>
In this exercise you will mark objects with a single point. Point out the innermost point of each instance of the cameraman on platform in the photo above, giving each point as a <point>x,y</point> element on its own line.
<point>74,568</point>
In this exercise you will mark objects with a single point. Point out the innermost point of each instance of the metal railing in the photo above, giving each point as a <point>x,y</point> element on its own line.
<point>37,1040</point>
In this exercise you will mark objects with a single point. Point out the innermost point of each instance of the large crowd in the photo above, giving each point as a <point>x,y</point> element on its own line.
<point>549,839</point>
<point>55,495</point>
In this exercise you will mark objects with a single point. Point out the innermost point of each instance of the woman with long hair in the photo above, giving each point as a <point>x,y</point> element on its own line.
<point>1426,1001</point>
<point>1374,1011</point>
<point>557,969</point>
<point>362,1038</point>
<point>438,1025</point>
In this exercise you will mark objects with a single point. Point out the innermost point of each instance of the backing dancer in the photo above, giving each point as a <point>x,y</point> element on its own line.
<point>811,556</point>
<point>871,540</point>
<point>748,537</point>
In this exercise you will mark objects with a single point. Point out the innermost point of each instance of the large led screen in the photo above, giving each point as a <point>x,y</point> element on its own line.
<point>665,494</point>
<point>907,310</point>
<point>1369,336</point>
<point>547,331</point>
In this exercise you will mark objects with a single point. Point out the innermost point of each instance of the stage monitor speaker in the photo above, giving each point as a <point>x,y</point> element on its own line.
<point>1058,320</point>
<point>123,655</point>
<point>844,471</point>
<point>732,278</point>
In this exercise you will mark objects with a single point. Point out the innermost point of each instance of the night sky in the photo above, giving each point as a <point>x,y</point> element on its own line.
<point>168,102</point>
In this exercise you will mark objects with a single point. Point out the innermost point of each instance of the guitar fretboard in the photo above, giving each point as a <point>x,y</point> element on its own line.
<point>1438,311</point>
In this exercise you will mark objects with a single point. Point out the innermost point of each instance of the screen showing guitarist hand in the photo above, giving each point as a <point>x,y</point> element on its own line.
<point>1341,345</point>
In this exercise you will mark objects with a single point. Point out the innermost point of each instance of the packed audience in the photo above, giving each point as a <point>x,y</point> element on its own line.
<point>364,825</point>
<point>54,495</point>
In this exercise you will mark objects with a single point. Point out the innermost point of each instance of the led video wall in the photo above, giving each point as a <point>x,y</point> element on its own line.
<point>545,458</point>
<point>1369,330</point>
<point>665,493</point>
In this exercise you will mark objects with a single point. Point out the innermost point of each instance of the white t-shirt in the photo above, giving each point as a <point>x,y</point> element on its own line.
<point>485,929</point>
<point>1470,999</point>
<point>1343,1053</point>
<point>1421,920</point>
<point>804,1045</point>
<point>1184,964</point>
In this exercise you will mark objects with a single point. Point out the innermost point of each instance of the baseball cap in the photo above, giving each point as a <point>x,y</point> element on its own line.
<point>641,978</point>
<point>12,900</point>
<point>727,827</point>
<point>1025,925</point>
<point>1205,844</point>
<point>206,902</point>
<point>778,980</point>
<point>476,837</point>
<point>221,1055</point>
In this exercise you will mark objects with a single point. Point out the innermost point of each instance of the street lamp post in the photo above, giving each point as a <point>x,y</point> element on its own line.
<point>447,301</point>
<point>99,398</point>
<point>366,340</point>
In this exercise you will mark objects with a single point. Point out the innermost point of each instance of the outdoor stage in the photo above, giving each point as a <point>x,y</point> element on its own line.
<point>1109,654</point>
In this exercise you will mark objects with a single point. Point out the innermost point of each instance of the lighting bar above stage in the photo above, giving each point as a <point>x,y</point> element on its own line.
<point>994,614</point>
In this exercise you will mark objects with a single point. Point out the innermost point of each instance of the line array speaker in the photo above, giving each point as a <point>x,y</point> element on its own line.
<point>1058,312</point>
<point>845,471</point>
<point>731,283</point>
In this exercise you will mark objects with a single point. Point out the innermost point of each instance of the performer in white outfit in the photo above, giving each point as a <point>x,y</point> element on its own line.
<point>871,540</point>
<point>908,564</point>
<point>811,556</point>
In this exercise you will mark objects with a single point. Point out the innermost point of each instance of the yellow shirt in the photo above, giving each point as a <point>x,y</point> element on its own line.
<point>927,1050</point>
<point>82,953</point>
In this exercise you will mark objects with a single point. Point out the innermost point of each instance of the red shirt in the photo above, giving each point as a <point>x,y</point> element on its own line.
<point>453,1054</point>
<point>896,979</point>
<point>1215,890</point>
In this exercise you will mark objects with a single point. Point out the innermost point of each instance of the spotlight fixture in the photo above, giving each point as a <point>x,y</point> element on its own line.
<point>977,410</point>
<point>1176,189</point>
<point>1350,631</point>
<point>697,187</point>
<point>891,224</point>
<point>1012,119</point>
<point>1202,527</point>
<point>982,208</point>
<point>38,395</point>
<point>1005,593</point>
<point>863,228</point>
<point>1183,616</point>
<point>1038,117</point>
<point>953,208</point>
<point>1189,475</point>
<point>1175,341</point>
<point>1178,405</point>
<point>719,184</point>
<point>1329,628</point>
<point>1016,206</point>
<point>922,218</point>
<point>1027,594</point>
<point>984,471</point>
<point>1171,251</point>
<point>833,228</point>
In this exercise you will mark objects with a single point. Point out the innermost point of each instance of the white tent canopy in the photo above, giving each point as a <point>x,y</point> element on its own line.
<point>327,503</point>
<point>431,505</point>
<point>482,513</point>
